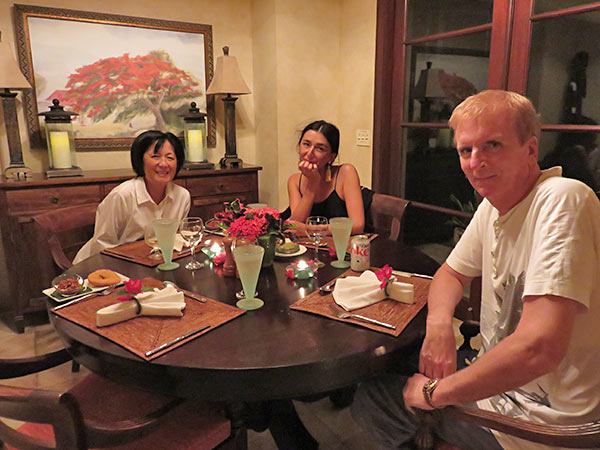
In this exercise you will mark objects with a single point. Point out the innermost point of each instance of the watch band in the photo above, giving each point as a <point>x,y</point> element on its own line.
<point>428,389</point>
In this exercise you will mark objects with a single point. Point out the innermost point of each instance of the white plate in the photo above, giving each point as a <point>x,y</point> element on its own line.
<point>50,290</point>
<point>287,255</point>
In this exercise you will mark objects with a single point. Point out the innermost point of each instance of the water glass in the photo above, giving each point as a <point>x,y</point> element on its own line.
<point>316,228</point>
<point>248,259</point>
<point>341,227</point>
<point>166,230</point>
<point>191,230</point>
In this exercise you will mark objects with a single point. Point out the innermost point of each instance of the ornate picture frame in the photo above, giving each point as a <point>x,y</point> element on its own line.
<point>122,74</point>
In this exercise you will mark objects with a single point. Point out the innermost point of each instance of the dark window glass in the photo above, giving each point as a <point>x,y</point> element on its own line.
<point>542,6</point>
<point>563,79</point>
<point>442,73</point>
<point>425,18</point>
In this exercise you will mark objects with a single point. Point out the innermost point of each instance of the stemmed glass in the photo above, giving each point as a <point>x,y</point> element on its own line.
<point>166,230</point>
<point>248,259</point>
<point>316,227</point>
<point>341,227</point>
<point>151,241</point>
<point>191,230</point>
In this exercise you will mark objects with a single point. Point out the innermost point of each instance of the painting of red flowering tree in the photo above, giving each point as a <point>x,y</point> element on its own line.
<point>125,87</point>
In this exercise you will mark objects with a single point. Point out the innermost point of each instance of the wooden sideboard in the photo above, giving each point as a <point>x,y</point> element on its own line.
<point>25,263</point>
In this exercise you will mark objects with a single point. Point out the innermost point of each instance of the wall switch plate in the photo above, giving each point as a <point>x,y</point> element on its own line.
<point>363,138</point>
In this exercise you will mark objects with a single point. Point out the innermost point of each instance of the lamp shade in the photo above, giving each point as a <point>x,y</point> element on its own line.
<point>228,78</point>
<point>428,86</point>
<point>10,74</point>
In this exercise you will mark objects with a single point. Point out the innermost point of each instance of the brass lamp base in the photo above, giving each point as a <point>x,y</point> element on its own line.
<point>71,172</point>
<point>189,165</point>
<point>230,162</point>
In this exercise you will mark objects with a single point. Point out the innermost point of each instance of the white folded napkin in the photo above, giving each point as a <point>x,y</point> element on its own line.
<point>164,302</point>
<point>357,292</point>
<point>179,243</point>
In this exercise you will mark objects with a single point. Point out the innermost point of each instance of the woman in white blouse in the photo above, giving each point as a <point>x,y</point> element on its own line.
<point>122,216</point>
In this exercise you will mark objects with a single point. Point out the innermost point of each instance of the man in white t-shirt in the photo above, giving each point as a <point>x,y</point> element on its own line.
<point>535,241</point>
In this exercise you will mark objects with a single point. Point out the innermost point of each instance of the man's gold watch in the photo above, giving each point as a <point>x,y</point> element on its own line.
<point>428,389</point>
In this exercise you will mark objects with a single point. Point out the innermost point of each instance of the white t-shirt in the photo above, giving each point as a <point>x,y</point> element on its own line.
<point>548,244</point>
<point>127,209</point>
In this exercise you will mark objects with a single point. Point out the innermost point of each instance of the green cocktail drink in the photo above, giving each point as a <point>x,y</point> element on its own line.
<point>341,227</point>
<point>165,230</point>
<point>248,259</point>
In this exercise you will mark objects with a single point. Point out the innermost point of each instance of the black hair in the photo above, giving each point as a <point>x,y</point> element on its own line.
<point>144,141</point>
<point>329,130</point>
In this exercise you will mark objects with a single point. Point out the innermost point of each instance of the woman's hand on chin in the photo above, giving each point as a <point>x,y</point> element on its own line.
<point>309,170</point>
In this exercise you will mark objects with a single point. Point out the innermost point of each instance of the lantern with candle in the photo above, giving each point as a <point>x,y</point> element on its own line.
<point>60,142</point>
<point>194,131</point>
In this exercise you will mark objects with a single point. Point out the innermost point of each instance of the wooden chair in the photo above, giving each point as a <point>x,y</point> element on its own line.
<point>387,213</point>
<point>66,230</point>
<point>97,413</point>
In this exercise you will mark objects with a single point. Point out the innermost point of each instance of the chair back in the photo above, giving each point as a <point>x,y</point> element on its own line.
<point>387,213</point>
<point>66,230</point>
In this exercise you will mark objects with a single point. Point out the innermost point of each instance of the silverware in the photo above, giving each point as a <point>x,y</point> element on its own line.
<point>411,274</point>
<point>108,290</point>
<point>347,315</point>
<point>327,288</point>
<point>117,253</point>
<point>185,292</point>
<point>175,341</point>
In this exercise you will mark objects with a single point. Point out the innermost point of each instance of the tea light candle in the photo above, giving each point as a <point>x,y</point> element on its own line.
<point>302,270</point>
<point>213,250</point>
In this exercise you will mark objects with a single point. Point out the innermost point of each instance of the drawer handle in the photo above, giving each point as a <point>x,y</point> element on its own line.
<point>54,199</point>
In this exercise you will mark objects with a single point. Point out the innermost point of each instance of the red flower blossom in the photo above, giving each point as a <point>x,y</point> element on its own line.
<point>290,273</point>
<point>219,259</point>
<point>385,276</point>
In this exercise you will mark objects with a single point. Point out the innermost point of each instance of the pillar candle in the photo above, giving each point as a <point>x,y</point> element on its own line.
<point>194,145</point>
<point>61,151</point>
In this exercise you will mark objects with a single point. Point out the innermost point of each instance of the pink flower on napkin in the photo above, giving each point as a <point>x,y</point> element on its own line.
<point>384,275</point>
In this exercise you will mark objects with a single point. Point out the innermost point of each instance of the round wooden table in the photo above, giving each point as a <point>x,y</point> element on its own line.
<point>271,353</point>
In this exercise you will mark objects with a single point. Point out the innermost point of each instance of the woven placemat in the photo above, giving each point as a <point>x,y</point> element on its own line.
<point>327,242</point>
<point>388,311</point>
<point>145,333</point>
<point>139,252</point>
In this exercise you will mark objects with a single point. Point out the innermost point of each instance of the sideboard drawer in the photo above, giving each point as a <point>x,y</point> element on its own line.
<point>228,184</point>
<point>33,200</point>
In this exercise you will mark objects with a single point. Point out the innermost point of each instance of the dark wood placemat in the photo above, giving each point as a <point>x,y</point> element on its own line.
<point>388,311</point>
<point>145,333</point>
<point>139,252</point>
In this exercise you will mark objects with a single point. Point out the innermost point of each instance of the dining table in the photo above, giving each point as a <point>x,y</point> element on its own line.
<point>271,353</point>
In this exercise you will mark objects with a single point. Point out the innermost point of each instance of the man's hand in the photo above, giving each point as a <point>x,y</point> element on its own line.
<point>438,354</point>
<point>413,393</point>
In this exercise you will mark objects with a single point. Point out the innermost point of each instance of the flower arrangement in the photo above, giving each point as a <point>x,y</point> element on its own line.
<point>132,288</point>
<point>243,222</point>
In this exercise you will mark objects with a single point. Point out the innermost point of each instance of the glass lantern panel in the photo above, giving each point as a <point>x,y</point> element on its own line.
<point>564,77</point>
<point>61,145</point>
<point>195,141</point>
<point>459,68</point>
<point>449,15</point>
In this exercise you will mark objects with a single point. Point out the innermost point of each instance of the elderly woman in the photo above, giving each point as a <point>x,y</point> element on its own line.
<point>321,188</point>
<point>122,216</point>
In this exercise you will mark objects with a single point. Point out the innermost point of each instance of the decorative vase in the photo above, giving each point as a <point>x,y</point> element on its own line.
<point>268,242</point>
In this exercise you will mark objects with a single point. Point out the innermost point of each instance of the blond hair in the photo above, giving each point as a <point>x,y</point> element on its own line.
<point>527,121</point>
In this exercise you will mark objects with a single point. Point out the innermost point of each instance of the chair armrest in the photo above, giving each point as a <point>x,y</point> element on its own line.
<point>586,435</point>
<point>18,367</point>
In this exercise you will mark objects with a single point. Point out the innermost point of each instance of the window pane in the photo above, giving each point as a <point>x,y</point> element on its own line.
<point>434,176</point>
<point>576,152</point>
<point>425,18</point>
<point>542,6</point>
<point>563,79</point>
<point>459,68</point>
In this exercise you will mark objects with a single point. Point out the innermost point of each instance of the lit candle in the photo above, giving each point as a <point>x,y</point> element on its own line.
<point>61,151</point>
<point>215,249</point>
<point>303,270</point>
<point>194,145</point>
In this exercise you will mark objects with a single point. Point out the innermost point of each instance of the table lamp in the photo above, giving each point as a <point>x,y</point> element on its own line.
<point>12,78</point>
<point>427,89</point>
<point>228,81</point>
<point>60,142</point>
<point>194,134</point>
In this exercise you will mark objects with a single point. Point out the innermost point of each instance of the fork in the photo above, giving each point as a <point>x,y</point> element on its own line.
<point>109,290</point>
<point>346,315</point>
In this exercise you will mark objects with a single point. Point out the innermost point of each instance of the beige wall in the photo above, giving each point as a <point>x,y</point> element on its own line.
<point>302,60</point>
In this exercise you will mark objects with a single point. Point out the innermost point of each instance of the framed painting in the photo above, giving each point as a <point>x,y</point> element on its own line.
<point>122,75</point>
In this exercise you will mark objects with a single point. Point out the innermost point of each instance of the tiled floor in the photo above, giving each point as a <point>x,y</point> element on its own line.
<point>334,429</point>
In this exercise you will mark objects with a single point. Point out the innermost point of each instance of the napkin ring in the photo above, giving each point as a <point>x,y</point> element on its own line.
<point>428,389</point>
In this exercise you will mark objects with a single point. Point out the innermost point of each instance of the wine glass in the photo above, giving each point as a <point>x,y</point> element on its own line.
<point>166,230</point>
<point>341,227</point>
<point>248,259</point>
<point>151,241</point>
<point>191,230</point>
<point>316,227</point>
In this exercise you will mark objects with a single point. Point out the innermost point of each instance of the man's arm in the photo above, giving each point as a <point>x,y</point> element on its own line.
<point>438,354</point>
<point>536,348</point>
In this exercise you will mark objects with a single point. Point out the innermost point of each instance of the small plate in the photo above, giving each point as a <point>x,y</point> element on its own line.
<point>287,255</point>
<point>68,284</point>
<point>87,289</point>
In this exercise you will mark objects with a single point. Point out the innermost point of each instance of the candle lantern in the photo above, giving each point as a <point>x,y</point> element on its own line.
<point>194,130</point>
<point>60,142</point>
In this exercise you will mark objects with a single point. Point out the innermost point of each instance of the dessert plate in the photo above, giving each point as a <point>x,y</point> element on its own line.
<point>300,251</point>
